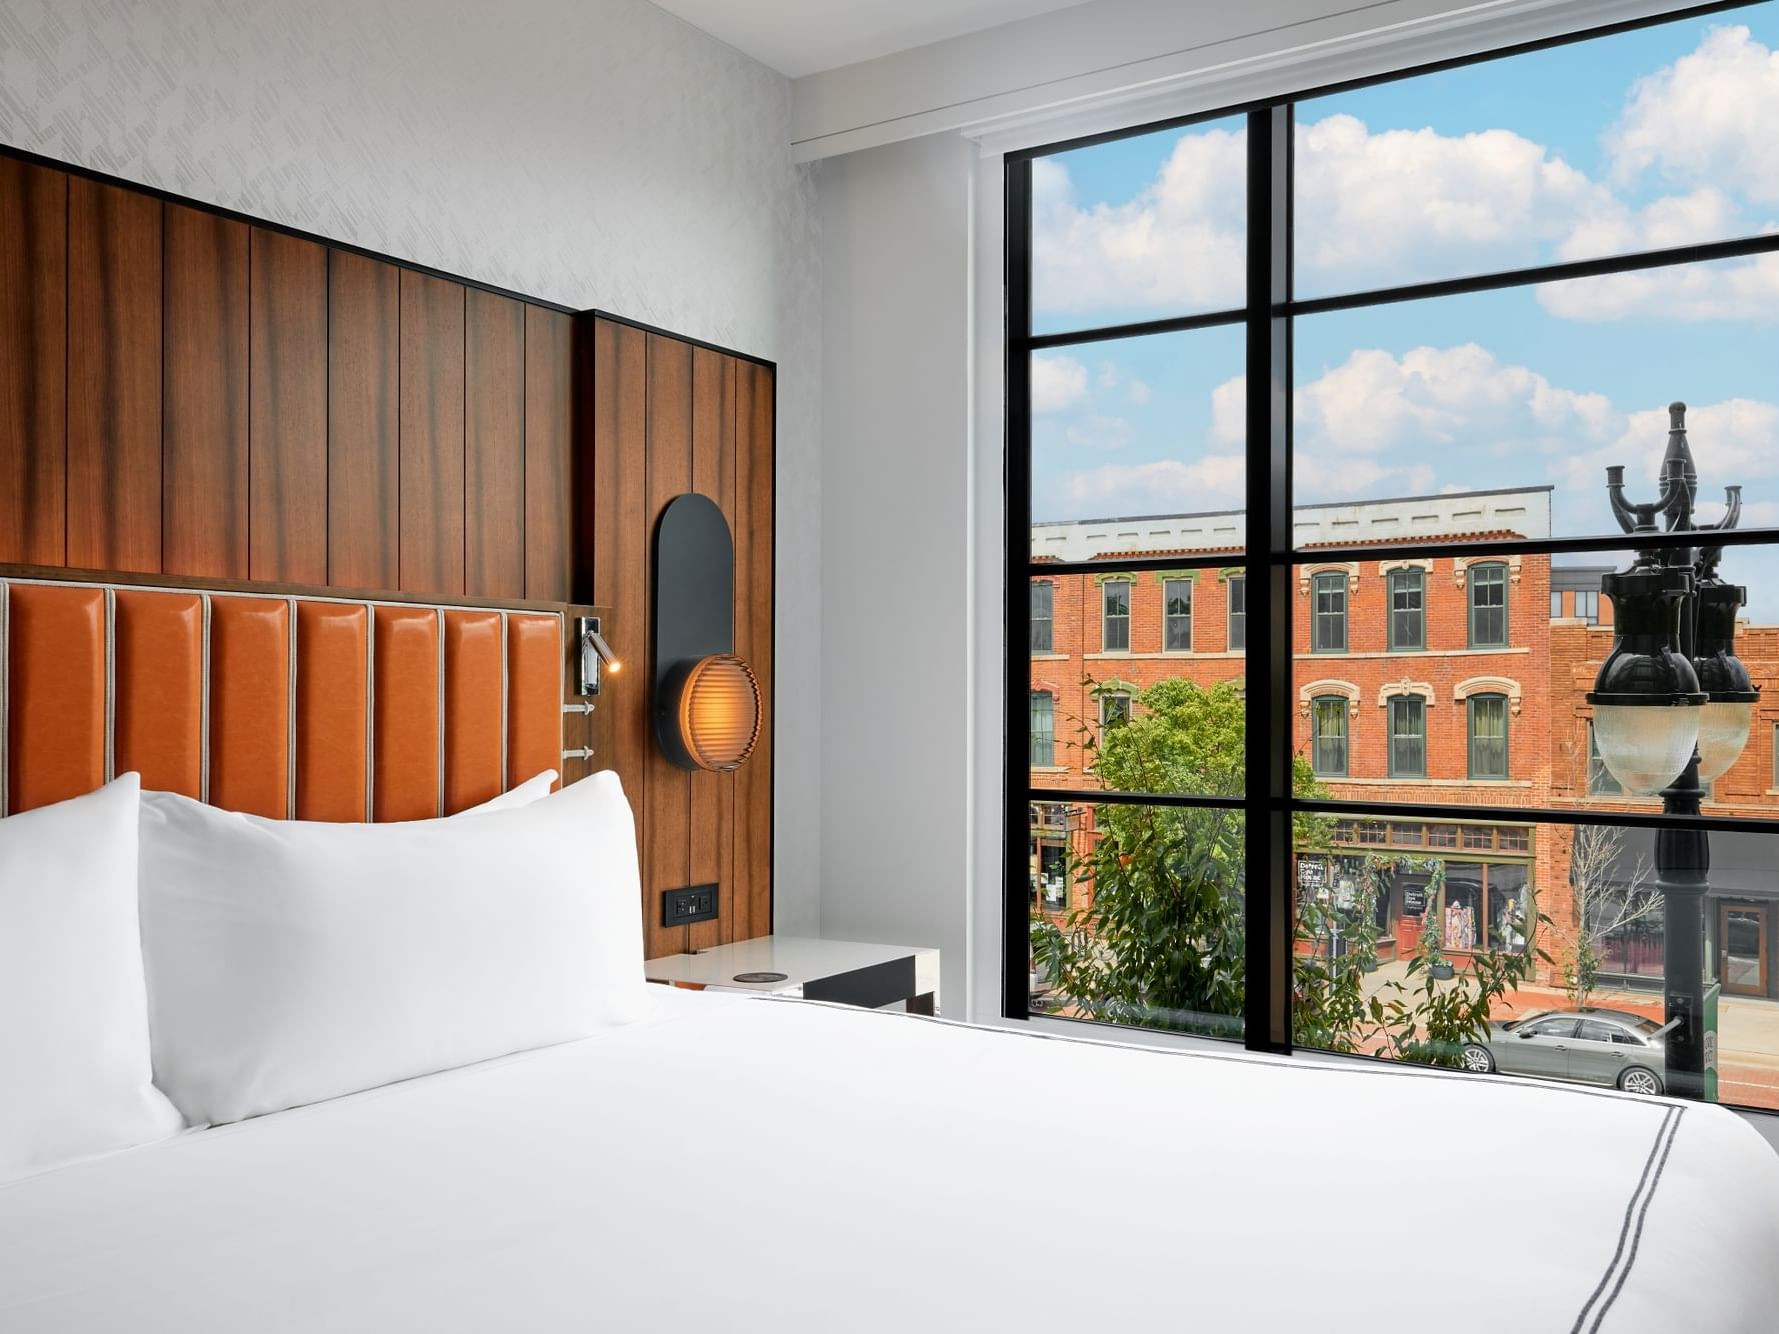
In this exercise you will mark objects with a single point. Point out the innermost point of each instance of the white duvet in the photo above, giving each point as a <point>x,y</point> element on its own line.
<point>754,1164</point>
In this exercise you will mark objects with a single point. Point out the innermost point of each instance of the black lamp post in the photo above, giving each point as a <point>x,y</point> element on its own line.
<point>1672,709</point>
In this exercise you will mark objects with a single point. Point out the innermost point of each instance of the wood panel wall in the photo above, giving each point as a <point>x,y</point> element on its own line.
<point>671,417</point>
<point>184,392</point>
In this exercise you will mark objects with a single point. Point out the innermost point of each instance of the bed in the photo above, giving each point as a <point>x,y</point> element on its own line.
<point>750,1163</point>
<point>398,1135</point>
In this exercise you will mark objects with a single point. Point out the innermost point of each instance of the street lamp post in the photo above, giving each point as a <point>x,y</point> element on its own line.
<point>1672,709</point>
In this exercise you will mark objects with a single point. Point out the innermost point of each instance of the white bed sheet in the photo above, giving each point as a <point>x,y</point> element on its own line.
<point>756,1164</point>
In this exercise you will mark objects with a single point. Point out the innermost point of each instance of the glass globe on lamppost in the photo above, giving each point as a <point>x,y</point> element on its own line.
<point>1646,698</point>
<point>1728,715</point>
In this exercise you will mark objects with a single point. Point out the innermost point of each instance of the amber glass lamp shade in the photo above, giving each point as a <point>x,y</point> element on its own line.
<point>719,712</point>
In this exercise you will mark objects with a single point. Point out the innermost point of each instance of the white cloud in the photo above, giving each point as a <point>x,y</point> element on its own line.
<point>1137,392</point>
<point>1177,244</point>
<point>1167,485</point>
<point>1712,117</point>
<point>1436,398</point>
<point>1108,375</point>
<point>1229,411</point>
<point>1058,383</point>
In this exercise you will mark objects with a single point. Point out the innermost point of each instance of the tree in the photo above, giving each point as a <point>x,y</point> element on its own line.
<point>1157,940</point>
<point>1604,906</point>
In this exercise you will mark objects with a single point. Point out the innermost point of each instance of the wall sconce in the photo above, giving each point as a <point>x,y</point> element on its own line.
<point>706,700</point>
<point>594,656</point>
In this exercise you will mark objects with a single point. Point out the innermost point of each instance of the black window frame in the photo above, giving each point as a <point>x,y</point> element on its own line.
<point>1474,773</point>
<point>1269,560</point>
<point>1106,618</point>
<point>1413,580</point>
<point>1337,705</point>
<point>1169,616</point>
<point>1498,577</point>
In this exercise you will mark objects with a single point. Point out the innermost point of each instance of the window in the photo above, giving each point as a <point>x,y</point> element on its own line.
<point>1043,730</point>
<point>1177,604</point>
<point>1115,616</point>
<point>1601,782</point>
<point>1488,736</point>
<point>1043,608</point>
<point>1556,1027</point>
<point>1114,709</point>
<point>1050,874</point>
<point>1408,737</point>
<point>1328,723</point>
<point>1407,619</point>
<point>1448,375</point>
<point>1238,612</point>
<point>1328,623</point>
<point>1488,606</point>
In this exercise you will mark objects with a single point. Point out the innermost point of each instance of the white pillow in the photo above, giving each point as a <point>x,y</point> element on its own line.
<point>532,789</point>
<point>291,961</point>
<point>74,1071</point>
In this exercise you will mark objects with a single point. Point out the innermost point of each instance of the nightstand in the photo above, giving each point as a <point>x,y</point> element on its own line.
<point>832,970</point>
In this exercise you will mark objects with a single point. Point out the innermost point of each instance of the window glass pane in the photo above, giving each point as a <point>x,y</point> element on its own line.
<point>1498,413</point>
<point>1328,613</point>
<point>1408,752</point>
<point>1177,613</point>
<point>1238,612</point>
<point>1458,171</point>
<point>1137,446</point>
<point>1488,606</point>
<point>1329,719</point>
<point>1556,604</point>
<point>1488,736</point>
<point>1043,605</point>
<point>1043,730</point>
<point>1572,916</point>
<point>1115,616</point>
<point>1139,228</point>
<point>1187,711</point>
<point>1114,709</point>
<point>1153,935</point>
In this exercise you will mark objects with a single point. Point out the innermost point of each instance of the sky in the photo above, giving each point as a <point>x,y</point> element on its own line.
<point>1664,136</point>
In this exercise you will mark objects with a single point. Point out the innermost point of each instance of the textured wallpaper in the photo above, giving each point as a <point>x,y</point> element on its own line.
<point>591,152</point>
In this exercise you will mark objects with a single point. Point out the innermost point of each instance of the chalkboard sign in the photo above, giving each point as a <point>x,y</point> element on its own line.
<point>1312,875</point>
<point>1414,900</point>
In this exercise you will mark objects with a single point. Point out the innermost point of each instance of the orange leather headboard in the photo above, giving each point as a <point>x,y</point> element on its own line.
<point>290,707</point>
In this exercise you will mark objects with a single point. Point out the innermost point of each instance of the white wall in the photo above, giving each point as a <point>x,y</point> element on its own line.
<point>590,152</point>
<point>895,643</point>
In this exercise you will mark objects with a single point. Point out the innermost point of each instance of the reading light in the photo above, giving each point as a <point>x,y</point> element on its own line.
<point>595,654</point>
<point>706,701</point>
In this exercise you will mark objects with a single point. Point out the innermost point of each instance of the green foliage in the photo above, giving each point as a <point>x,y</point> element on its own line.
<point>1157,938</point>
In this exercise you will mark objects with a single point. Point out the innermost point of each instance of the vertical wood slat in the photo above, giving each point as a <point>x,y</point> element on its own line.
<point>55,680</point>
<point>551,483</point>
<point>754,417</point>
<point>494,445</point>
<point>204,395</point>
<point>475,657</point>
<point>158,689</point>
<point>33,363</point>
<point>669,475</point>
<point>431,434</point>
<point>250,703</point>
<point>114,378</point>
<point>287,409</point>
<point>619,538</point>
<point>712,849</point>
<point>333,710</point>
<point>363,446</point>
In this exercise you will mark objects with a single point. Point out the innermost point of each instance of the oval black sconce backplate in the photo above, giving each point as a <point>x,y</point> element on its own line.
<point>694,617</point>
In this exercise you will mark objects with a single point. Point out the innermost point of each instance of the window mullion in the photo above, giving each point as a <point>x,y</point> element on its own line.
<point>1267,799</point>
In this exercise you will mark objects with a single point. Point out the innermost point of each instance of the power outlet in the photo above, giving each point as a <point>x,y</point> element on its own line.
<point>682,907</point>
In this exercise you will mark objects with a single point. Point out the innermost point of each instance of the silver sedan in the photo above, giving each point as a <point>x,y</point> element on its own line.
<point>1591,1046</point>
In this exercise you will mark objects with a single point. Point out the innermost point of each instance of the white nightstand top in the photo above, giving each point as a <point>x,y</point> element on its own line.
<point>801,959</point>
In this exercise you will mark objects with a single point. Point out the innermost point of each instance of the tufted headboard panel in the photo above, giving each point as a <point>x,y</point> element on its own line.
<point>282,705</point>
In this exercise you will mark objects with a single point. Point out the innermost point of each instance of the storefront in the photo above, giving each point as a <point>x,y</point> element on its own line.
<point>1741,915</point>
<point>1469,884</point>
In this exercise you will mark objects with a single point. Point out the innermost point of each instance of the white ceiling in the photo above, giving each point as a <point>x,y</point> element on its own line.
<point>798,37</point>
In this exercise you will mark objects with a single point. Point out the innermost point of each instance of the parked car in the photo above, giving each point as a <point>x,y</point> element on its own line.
<point>1589,1046</point>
